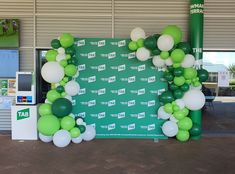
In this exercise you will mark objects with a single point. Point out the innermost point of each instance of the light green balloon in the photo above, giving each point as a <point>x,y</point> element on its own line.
<point>75,132</point>
<point>70,70</point>
<point>133,46</point>
<point>173,31</point>
<point>168,108</point>
<point>182,135</point>
<point>179,81</point>
<point>164,54</point>
<point>140,42</point>
<point>179,115</point>
<point>67,123</point>
<point>190,73</point>
<point>176,108</point>
<point>52,95</point>
<point>185,123</point>
<point>44,109</point>
<point>185,111</point>
<point>51,55</point>
<point>48,125</point>
<point>177,55</point>
<point>66,40</point>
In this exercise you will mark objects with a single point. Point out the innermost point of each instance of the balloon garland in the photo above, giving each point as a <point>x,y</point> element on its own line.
<point>56,122</point>
<point>169,53</point>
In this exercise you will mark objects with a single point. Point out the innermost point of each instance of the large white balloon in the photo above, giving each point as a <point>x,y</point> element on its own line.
<point>172,118</point>
<point>180,103</point>
<point>168,61</point>
<point>142,54</point>
<point>137,33</point>
<point>162,114</point>
<point>194,99</point>
<point>52,72</point>
<point>158,62</point>
<point>188,61</point>
<point>61,138</point>
<point>165,42</point>
<point>77,140</point>
<point>170,128</point>
<point>44,138</point>
<point>89,133</point>
<point>61,50</point>
<point>72,88</point>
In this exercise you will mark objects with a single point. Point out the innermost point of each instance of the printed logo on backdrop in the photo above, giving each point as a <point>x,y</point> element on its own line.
<point>138,115</point>
<point>148,79</point>
<point>89,103</point>
<point>119,115</point>
<point>81,114</point>
<point>109,79</point>
<point>120,43</point>
<point>129,79</point>
<point>138,92</point>
<point>99,91</point>
<point>149,103</point>
<point>119,67</point>
<point>138,68</point>
<point>129,103</point>
<point>149,127</point>
<point>119,91</point>
<point>23,114</point>
<point>89,79</point>
<point>129,127</point>
<point>99,67</point>
<point>81,43</point>
<point>100,115</point>
<point>109,103</point>
<point>82,67</point>
<point>109,127</point>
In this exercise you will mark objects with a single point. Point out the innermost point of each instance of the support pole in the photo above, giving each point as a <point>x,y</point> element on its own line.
<point>196,41</point>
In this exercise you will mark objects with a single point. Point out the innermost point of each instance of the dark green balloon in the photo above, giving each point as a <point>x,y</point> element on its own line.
<point>178,71</point>
<point>185,87</point>
<point>173,87</point>
<point>60,89</point>
<point>82,128</point>
<point>55,43</point>
<point>61,107</point>
<point>185,46</point>
<point>150,43</point>
<point>170,69</point>
<point>166,97</point>
<point>156,36</point>
<point>178,93</point>
<point>74,61</point>
<point>168,76</point>
<point>156,52</point>
<point>203,75</point>
<point>195,130</point>
<point>70,50</point>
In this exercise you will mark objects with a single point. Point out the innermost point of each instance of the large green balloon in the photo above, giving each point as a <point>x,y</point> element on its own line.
<point>185,111</point>
<point>48,125</point>
<point>170,69</point>
<point>70,70</point>
<point>185,47</point>
<point>133,46</point>
<point>166,97</point>
<point>156,36</point>
<point>178,71</point>
<point>178,93</point>
<point>52,95</point>
<point>182,135</point>
<point>140,42</point>
<point>173,31</point>
<point>67,123</point>
<point>179,81</point>
<point>168,76</point>
<point>70,50</point>
<point>173,87</point>
<point>190,73</point>
<point>55,43</point>
<point>168,108</point>
<point>150,43</point>
<point>156,52</point>
<point>185,124</point>
<point>203,75</point>
<point>51,55</point>
<point>185,87</point>
<point>73,61</point>
<point>66,40</point>
<point>195,130</point>
<point>45,109</point>
<point>61,107</point>
<point>179,115</point>
<point>75,132</point>
<point>177,55</point>
<point>164,54</point>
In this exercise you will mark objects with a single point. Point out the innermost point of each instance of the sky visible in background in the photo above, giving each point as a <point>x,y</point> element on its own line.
<point>225,58</point>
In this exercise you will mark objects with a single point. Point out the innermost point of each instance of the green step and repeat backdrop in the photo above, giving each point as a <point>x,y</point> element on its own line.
<point>119,94</point>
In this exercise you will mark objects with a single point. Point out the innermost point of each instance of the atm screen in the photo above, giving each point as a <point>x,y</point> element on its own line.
<point>24,82</point>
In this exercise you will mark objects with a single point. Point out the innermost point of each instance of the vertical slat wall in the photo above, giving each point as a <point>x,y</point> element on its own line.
<point>107,18</point>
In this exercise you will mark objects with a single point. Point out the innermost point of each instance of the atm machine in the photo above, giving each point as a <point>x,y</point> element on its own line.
<point>24,113</point>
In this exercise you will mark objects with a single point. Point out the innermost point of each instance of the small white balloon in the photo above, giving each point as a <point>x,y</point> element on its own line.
<point>170,128</point>
<point>62,138</point>
<point>172,118</point>
<point>194,99</point>
<point>44,138</point>
<point>188,61</point>
<point>61,50</point>
<point>180,103</point>
<point>77,140</point>
<point>143,54</point>
<point>52,72</point>
<point>158,62</point>
<point>47,101</point>
<point>196,87</point>
<point>162,114</point>
<point>79,121</point>
<point>168,62</point>
<point>165,42</point>
<point>60,57</point>
<point>72,115</point>
<point>69,98</point>
<point>137,33</point>
<point>72,88</point>
<point>89,133</point>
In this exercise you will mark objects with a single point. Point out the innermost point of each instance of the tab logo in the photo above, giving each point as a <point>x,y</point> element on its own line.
<point>101,115</point>
<point>112,79</point>
<point>23,114</point>
<point>91,103</point>
<point>82,67</point>
<point>111,126</point>
<point>121,115</point>
<point>131,55</point>
<point>101,91</point>
<point>131,79</point>
<point>141,91</point>
<point>111,103</point>
<point>122,67</point>
<point>81,43</point>
<point>81,114</point>
<point>131,126</point>
<point>112,55</point>
<point>101,67</point>
<point>91,55</point>
<point>141,67</point>
<point>151,79</point>
<point>131,103</point>
<point>82,91</point>
<point>101,43</point>
<point>121,91</point>
<point>160,91</point>
<point>151,103</point>
<point>121,43</point>
<point>91,79</point>
<point>141,115</point>
<point>151,127</point>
